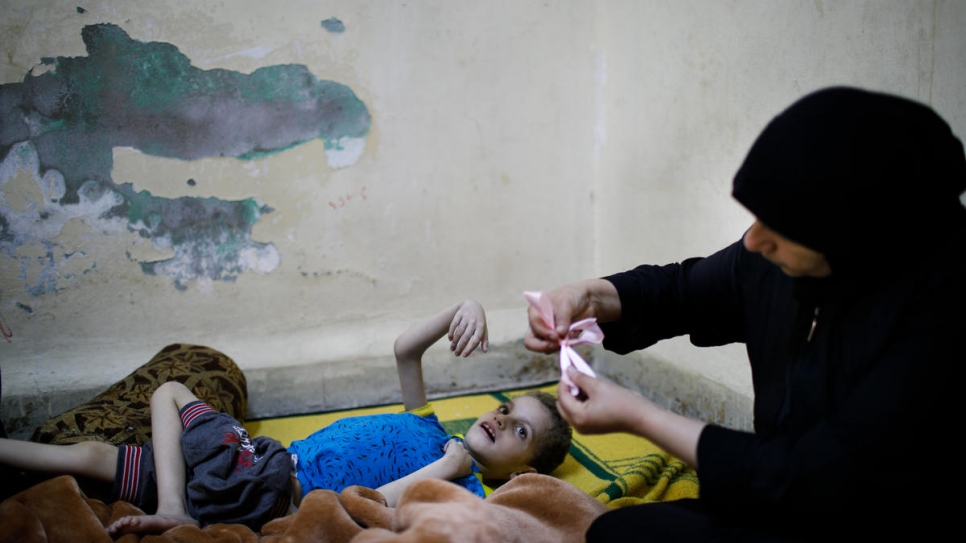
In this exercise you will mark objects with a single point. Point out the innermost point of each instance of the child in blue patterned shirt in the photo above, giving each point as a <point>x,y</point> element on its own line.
<point>202,467</point>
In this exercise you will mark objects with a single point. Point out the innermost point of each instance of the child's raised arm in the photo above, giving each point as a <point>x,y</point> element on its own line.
<point>465,326</point>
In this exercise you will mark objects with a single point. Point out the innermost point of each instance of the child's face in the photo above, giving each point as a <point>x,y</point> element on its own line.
<point>503,441</point>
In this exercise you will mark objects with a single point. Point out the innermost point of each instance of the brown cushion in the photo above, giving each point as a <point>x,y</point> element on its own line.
<point>122,415</point>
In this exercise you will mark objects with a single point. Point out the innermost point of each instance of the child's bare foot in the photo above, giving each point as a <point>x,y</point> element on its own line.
<point>154,524</point>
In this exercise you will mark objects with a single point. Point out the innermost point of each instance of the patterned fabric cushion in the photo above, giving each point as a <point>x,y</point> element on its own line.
<point>122,415</point>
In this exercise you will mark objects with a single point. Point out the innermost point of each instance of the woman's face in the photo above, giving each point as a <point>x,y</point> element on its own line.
<point>795,259</point>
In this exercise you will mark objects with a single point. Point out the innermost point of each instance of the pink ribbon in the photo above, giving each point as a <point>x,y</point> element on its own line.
<point>586,330</point>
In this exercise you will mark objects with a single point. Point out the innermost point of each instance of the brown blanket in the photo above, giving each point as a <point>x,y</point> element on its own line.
<point>530,508</point>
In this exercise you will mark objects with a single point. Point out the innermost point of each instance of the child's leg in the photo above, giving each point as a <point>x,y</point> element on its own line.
<point>87,459</point>
<point>166,429</point>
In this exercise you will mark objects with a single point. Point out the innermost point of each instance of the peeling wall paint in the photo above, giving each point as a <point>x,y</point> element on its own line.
<point>62,122</point>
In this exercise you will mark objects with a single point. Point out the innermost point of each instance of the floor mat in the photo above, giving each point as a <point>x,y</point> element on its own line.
<point>617,469</point>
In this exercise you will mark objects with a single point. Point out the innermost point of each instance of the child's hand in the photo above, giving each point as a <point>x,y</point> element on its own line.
<point>468,329</point>
<point>458,458</point>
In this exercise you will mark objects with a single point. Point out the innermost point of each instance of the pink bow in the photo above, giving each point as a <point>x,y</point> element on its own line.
<point>587,332</point>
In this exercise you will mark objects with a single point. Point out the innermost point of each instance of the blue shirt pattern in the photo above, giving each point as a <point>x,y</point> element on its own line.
<point>372,450</point>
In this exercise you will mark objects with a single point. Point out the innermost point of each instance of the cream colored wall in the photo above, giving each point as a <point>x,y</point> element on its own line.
<point>514,145</point>
<point>688,87</point>
<point>473,183</point>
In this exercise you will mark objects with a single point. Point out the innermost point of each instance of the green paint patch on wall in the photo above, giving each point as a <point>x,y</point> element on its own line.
<point>148,96</point>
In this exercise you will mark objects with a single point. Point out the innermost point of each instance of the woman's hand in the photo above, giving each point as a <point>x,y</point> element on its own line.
<point>603,407</point>
<point>596,298</point>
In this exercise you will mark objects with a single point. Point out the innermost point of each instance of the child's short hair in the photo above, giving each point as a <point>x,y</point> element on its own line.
<point>554,444</point>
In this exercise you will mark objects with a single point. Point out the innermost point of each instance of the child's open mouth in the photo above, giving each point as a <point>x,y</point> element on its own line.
<point>488,430</point>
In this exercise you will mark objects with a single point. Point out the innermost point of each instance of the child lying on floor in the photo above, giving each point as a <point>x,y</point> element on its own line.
<point>202,467</point>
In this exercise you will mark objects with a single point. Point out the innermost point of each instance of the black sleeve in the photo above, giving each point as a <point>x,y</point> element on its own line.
<point>699,297</point>
<point>882,445</point>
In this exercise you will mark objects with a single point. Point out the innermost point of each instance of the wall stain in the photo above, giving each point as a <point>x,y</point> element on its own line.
<point>62,124</point>
<point>333,25</point>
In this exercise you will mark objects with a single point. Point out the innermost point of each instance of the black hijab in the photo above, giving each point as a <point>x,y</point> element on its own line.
<point>866,178</point>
